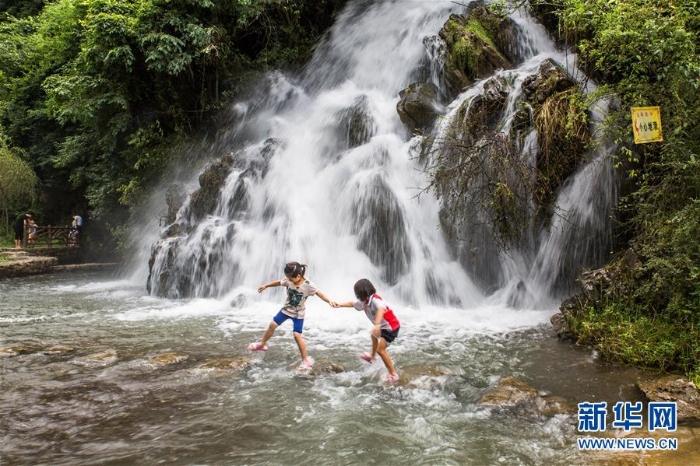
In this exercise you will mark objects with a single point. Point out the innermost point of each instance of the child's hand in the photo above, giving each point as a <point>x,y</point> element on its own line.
<point>376,331</point>
<point>261,289</point>
<point>333,303</point>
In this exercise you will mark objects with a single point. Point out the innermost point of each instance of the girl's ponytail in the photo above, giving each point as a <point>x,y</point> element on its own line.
<point>294,269</point>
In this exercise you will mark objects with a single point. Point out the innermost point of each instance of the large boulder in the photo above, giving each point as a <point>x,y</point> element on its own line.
<point>418,105</point>
<point>380,226</point>
<point>513,395</point>
<point>673,388</point>
<point>472,50</point>
<point>355,124</point>
<point>550,78</point>
<point>204,200</point>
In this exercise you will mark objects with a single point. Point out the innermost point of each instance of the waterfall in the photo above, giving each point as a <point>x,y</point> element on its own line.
<point>319,169</point>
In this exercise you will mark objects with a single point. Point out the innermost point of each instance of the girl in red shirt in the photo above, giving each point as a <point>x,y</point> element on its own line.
<point>386,325</point>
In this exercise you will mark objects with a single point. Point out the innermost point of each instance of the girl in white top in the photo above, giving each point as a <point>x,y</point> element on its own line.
<point>298,290</point>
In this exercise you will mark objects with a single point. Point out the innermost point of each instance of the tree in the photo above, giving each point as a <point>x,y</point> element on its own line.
<point>18,183</point>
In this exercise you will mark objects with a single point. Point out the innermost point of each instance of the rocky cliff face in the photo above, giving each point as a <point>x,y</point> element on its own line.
<point>492,190</point>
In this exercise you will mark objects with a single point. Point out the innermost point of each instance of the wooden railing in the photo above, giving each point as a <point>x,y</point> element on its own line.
<point>51,237</point>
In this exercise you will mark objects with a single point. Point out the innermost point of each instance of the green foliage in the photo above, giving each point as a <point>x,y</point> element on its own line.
<point>18,183</point>
<point>469,40</point>
<point>628,334</point>
<point>646,53</point>
<point>96,92</point>
<point>562,128</point>
<point>21,8</point>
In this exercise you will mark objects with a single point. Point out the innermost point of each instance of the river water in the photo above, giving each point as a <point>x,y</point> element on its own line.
<point>84,387</point>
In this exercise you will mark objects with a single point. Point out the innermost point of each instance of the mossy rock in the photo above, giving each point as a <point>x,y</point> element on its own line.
<point>204,200</point>
<point>472,50</point>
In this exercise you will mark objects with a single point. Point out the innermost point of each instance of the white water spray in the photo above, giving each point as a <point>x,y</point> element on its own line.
<point>326,174</point>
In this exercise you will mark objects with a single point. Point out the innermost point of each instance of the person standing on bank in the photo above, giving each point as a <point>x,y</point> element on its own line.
<point>31,232</point>
<point>299,289</point>
<point>386,325</point>
<point>21,222</point>
<point>78,223</point>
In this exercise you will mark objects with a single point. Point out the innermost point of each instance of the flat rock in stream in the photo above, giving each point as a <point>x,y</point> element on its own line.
<point>54,350</point>
<point>166,359</point>
<point>325,368</point>
<point>422,375</point>
<point>10,351</point>
<point>674,388</point>
<point>226,364</point>
<point>102,358</point>
<point>512,394</point>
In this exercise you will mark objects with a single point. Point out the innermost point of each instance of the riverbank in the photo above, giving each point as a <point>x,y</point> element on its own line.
<point>23,262</point>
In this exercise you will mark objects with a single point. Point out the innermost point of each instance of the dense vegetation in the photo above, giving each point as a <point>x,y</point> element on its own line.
<point>94,93</point>
<point>646,53</point>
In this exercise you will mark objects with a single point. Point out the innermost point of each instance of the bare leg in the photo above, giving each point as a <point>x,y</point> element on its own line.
<point>302,345</point>
<point>381,350</point>
<point>269,332</point>
<point>375,343</point>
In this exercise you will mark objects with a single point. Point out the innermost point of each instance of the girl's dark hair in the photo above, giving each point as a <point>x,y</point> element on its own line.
<point>364,289</point>
<point>294,269</point>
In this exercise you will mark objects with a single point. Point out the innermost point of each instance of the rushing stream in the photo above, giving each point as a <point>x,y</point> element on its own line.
<point>87,386</point>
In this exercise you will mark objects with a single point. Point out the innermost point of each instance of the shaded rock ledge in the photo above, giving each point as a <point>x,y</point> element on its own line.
<point>20,263</point>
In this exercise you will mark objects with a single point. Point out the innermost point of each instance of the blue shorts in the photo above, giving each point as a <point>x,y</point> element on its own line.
<point>281,317</point>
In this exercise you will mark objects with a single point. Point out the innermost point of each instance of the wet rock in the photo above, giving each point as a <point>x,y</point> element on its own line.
<point>418,106</point>
<point>561,326</point>
<point>326,368</point>
<point>234,364</point>
<point>173,229</point>
<point>204,200</point>
<point>551,78</point>
<point>102,358</point>
<point>166,359</point>
<point>510,391</point>
<point>423,375</point>
<point>10,351</point>
<point>513,394</point>
<point>674,388</point>
<point>356,125</point>
<point>239,301</point>
<point>595,283</point>
<point>19,265</point>
<point>54,350</point>
<point>380,226</point>
<point>472,50</point>
<point>174,198</point>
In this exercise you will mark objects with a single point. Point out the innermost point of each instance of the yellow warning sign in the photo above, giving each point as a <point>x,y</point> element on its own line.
<point>646,123</point>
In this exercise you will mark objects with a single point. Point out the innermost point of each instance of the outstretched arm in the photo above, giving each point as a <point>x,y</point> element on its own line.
<point>345,304</point>
<point>323,296</point>
<point>268,285</point>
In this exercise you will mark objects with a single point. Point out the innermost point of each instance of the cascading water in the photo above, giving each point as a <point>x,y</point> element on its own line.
<point>337,188</point>
<point>323,171</point>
